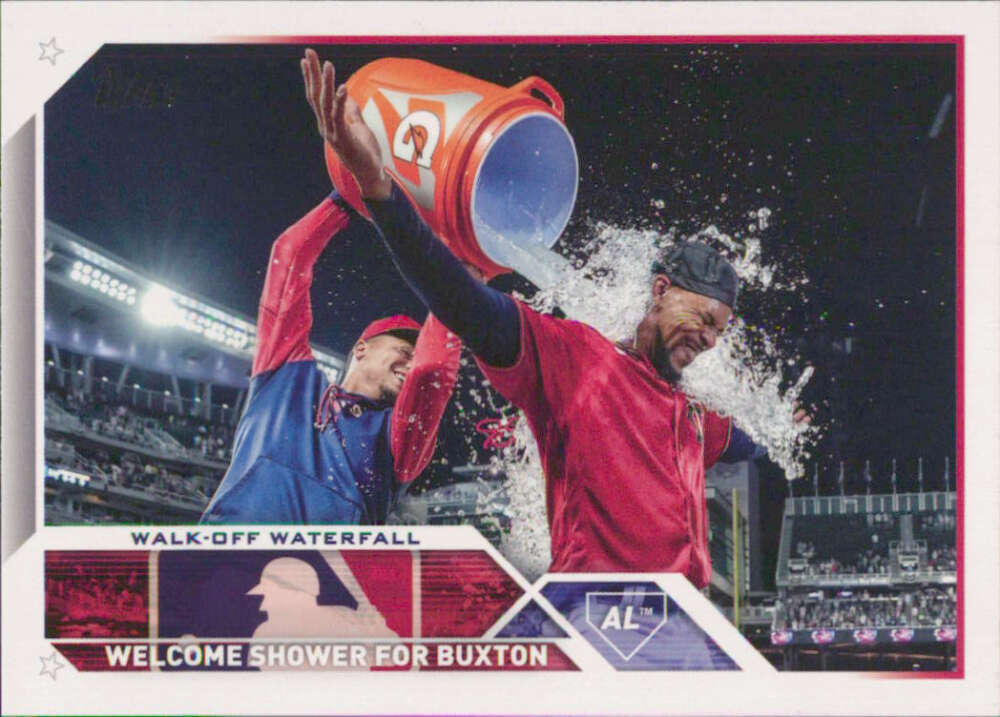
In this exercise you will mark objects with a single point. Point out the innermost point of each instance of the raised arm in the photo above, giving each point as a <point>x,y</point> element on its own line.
<point>420,405</point>
<point>485,319</point>
<point>740,447</point>
<point>285,315</point>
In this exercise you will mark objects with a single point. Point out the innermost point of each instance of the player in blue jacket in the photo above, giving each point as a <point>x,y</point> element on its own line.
<point>306,450</point>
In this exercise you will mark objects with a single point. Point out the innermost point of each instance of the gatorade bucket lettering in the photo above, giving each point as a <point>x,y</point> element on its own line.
<point>492,170</point>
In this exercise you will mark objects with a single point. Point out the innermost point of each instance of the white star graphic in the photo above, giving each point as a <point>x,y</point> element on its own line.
<point>50,665</point>
<point>49,51</point>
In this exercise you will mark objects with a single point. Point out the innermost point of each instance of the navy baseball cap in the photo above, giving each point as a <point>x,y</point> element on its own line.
<point>699,268</point>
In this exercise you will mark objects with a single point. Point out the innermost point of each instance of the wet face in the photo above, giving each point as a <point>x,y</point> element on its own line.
<point>685,324</point>
<point>384,361</point>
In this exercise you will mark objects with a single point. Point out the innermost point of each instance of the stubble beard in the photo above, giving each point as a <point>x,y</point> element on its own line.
<point>661,360</point>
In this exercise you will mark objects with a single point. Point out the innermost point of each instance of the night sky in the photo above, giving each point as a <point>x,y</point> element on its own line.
<point>189,160</point>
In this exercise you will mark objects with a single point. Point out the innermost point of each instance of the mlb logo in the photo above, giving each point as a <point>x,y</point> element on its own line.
<point>626,620</point>
<point>285,594</point>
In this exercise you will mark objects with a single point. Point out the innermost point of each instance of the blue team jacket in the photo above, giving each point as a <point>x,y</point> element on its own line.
<point>290,465</point>
<point>286,470</point>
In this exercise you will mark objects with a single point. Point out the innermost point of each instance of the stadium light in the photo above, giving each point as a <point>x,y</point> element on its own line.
<point>98,280</point>
<point>214,329</point>
<point>158,307</point>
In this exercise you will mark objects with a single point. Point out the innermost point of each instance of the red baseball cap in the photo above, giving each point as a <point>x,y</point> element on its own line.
<point>390,324</point>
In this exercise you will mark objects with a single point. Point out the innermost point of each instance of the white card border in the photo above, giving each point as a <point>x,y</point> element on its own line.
<point>84,26</point>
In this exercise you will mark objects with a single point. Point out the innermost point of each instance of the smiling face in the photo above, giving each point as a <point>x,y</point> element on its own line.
<point>380,366</point>
<point>680,325</point>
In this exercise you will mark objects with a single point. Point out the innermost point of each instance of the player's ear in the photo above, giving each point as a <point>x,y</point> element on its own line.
<point>360,348</point>
<point>660,285</point>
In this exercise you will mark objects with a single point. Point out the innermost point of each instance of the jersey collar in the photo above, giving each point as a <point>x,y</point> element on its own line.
<point>626,348</point>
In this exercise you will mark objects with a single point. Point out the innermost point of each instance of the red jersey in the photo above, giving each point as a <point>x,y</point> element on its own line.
<point>289,466</point>
<point>624,452</point>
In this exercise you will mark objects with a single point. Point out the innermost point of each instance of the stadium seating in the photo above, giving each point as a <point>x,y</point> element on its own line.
<point>129,458</point>
<point>872,561</point>
<point>183,436</point>
<point>861,545</point>
<point>915,607</point>
<point>937,529</point>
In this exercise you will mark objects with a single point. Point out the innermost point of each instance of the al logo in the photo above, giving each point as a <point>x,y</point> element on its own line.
<point>628,619</point>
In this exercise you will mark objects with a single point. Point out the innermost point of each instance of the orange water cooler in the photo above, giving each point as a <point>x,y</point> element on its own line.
<point>492,170</point>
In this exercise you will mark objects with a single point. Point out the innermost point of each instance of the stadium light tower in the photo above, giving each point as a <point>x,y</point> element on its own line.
<point>920,475</point>
<point>93,273</point>
<point>893,476</point>
<point>840,478</point>
<point>816,480</point>
<point>868,477</point>
<point>158,307</point>
<point>947,474</point>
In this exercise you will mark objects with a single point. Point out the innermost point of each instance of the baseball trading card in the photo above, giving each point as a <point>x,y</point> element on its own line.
<point>611,358</point>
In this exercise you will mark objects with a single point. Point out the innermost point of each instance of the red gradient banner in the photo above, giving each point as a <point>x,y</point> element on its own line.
<point>463,593</point>
<point>91,593</point>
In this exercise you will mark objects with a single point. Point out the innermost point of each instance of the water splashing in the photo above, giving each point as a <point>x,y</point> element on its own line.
<point>606,283</point>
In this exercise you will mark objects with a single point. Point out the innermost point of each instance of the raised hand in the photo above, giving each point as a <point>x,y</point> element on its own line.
<point>338,120</point>
<point>801,415</point>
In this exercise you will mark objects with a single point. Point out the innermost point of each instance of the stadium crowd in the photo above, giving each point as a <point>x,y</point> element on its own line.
<point>923,607</point>
<point>867,562</point>
<point>164,431</point>
<point>862,547</point>
<point>942,559</point>
<point>938,530</point>
<point>130,471</point>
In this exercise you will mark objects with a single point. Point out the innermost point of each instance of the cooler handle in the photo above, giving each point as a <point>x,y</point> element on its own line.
<point>537,83</point>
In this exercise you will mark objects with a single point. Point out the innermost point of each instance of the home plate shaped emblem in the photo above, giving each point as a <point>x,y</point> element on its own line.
<point>627,620</point>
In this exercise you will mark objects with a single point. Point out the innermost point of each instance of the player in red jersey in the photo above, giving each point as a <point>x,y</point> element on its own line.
<point>623,449</point>
<point>308,451</point>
